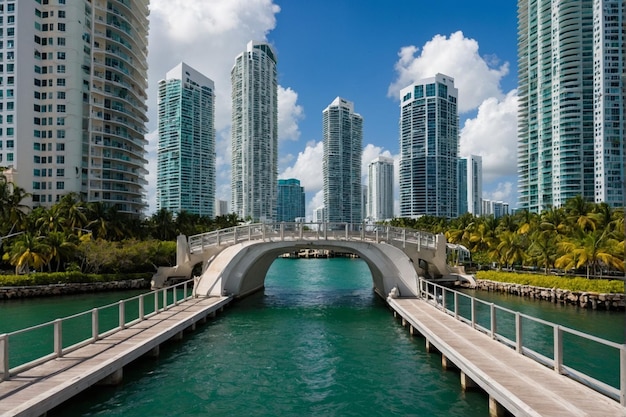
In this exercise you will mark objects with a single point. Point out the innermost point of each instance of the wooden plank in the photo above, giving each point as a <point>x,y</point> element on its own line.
<point>38,390</point>
<point>521,385</point>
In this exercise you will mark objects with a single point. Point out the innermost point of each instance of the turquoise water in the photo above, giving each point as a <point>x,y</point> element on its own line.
<point>315,342</point>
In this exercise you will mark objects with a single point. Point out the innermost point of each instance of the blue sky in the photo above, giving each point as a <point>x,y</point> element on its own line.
<point>364,51</point>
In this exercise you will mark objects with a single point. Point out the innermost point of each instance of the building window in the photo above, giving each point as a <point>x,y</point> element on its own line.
<point>60,55</point>
<point>61,69</point>
<point>61,27</point>
<point>60,108</point>
<point>60,146</point>
<point>60,82</point>
<point>9,157</point>
<point>61,41</point>
<point>10,144</point>
<point>61,95</point>
<point>60,121</point>
<point>60,134</point>
<point>60,172</point>
<point>60,185</point>
<point>9,133</point>
<point>60,159</point>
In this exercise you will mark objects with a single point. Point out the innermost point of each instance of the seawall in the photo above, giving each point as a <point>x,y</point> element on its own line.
<point>71,288</point>
<point>600,301</point>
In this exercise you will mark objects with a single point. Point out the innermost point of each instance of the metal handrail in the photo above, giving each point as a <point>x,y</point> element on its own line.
<point>57,350</point>
<point>311,231</point>
<point>436,295</point>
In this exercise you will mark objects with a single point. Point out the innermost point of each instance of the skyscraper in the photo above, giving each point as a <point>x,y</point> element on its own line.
<point>571,121</point>
<point>341,163</point>
<point>429,142</point>
<point>73,104</point>
<point>290,200</point>
<point>254,133</point>
<point>470,174</point>
<point>380,189</point>
<point>186,147</point>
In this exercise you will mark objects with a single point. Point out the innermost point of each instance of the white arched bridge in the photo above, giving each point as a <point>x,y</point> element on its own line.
<point>235,260</point>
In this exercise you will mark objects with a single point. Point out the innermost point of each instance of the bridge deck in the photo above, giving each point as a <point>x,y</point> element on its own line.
<point>34,392</point>
<point>521,385</point>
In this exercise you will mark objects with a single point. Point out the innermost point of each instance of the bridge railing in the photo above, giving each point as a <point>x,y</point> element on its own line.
<point>571,352</point>
<point>24,349</point>
<point>311,231</point>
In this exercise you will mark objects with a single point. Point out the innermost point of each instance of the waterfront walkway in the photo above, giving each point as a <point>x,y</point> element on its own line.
<point>35,391</point>
<point>513,382</point>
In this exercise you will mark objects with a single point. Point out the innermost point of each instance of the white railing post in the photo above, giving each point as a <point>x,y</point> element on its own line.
<point>403,238</point>
<point>263,233</point>
<point>492,310</point>
<point>235,235</point>
<point>377,238</point>
<point>456,305</point>
<point>156,302</point>
<point>185,290</point>
<point>363,231</point>
<point>58,337</point>
<point>217,237</point>
<point>325,231</point>
<point>95,326</point>
<point>142,308</point>
<point>518,332</point>
<point>558,348</point>
<point>419,241</point>
<point>346,229</point>
<point>388,230</point>
<point>4,356</point>
<point>622,375</point>
<point>301,231</point>
<point>249,233</point>
<point>282,232</point>
<point>473,312</point>
<point>164,299</point>
<point>122,313</point>
<point>443,298</point>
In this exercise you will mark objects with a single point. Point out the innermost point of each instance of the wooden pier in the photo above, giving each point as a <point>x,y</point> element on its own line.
<point>40,389</point>
<point>514,383</point>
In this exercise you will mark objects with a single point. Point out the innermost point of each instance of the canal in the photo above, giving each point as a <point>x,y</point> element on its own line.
<point>317,341</point>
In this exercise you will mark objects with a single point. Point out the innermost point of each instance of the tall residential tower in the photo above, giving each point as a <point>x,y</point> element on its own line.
<point>470,173</point>
<point>72,108</point>
<point>291,200</point>
<point>571,121</point>
<point>186,147</point>
<point>380,189</point>
<point>254,133</point>
<point>341,163</point>
<point>429,143</point>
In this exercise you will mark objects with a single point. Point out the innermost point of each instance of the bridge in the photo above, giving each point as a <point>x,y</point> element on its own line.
<point>235,260</point>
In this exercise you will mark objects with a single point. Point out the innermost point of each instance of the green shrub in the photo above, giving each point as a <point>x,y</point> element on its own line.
<point>48,278</point>
<point>551,281</point>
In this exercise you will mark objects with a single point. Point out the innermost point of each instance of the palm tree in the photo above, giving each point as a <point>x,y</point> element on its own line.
<point>554,222</point>
<point>163,225</point>
<point>543,249</point>
<point>579,212</point>
<point>590,250</point>
<point>51,220</point>
<point>73,209</point>
<point>60,247</point>
<point>510,248</point>
<point>28,251</point>
<point>97,220</point>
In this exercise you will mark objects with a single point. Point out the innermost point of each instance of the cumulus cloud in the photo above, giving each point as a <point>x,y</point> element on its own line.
<point>476,77</point>
<point>492,134</point>
<point>503,192</point>
<point>308,167</point>
<point>289,114</point>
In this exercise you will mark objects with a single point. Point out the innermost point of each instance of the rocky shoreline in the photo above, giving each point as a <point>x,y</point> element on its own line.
<point>7,293</point>
<point>583,299</point>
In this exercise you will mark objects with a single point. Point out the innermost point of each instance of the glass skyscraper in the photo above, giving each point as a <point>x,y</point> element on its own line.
<point>380,189</point>
<point>341,163</point>
<point>254,134</point>
<point>571,121</point>
<point>291,201</point>
<point>73,100</point>
<point>429,142</point>
<point>470,174</point>
<point>186,146</point>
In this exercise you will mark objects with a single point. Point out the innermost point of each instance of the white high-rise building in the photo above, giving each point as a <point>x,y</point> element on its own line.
<point>470,172</point>
<point>254,133</point>
<point>186,146</point>
<point>73,100</point>
<point>380,189</point>
<point>429,143</point>
<point>571,120</point>
<point>341,163</point>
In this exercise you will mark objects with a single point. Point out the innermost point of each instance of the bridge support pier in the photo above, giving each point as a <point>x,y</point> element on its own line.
<point>495,408</point>
<point>177,336</point>
<point>114,379</point>
<point>154,352</point>
<point>446,363</point>
<point>467,383</point>
<point>430,348</point>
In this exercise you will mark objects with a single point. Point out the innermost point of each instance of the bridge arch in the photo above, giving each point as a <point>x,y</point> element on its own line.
<point>241,269</point>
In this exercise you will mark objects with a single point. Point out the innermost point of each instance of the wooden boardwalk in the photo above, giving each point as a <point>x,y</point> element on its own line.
<point>38,390</point>
<point>519,384</point>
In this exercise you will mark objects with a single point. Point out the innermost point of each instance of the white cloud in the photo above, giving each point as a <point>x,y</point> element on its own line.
<point>492,134</point>
<point>503,192</point>
<point>475,77</point>
<point>308,167</point>
<point>289,114</point>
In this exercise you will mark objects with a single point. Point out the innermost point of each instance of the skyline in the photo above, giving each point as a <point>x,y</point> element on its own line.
<point>364,54</point>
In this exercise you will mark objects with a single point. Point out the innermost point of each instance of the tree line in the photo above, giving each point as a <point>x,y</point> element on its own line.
<point>581,237</point>
<point>90,237</point>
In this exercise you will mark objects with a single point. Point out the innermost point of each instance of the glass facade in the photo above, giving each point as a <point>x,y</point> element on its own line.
<point>291,200</point>
<point>429,142</point>
<point>341,162</point>
<point>186,146</point>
